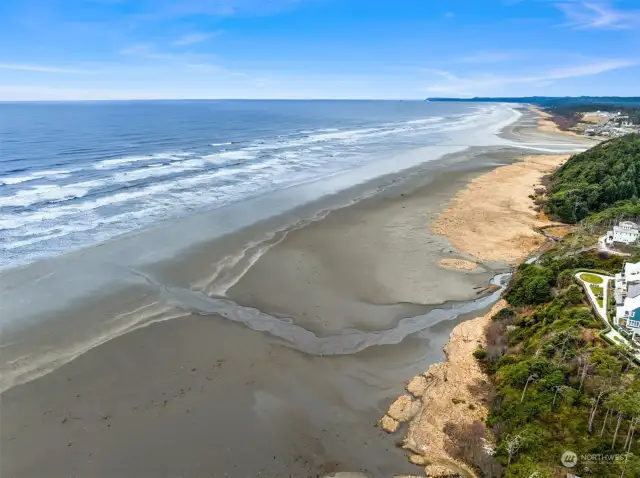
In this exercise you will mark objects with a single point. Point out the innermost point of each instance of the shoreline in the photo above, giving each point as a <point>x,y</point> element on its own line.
<point>493,219</point>
<point>441,397</point>
<point>445,395</point>
<point>546,123</point>
<point>305,350</point>
<point>302,357</point>
<point>146,289</point>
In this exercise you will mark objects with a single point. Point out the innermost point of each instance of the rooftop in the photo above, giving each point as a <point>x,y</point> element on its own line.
<point>631,269</point>
<point>632,304</point>
<point>634,290</point>
<point>628,225</point>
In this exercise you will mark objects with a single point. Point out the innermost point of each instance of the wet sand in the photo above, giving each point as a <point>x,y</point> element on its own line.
<point>278,363</point>
<point>365,266</point>
<point>203,395</point>
<point>493,219</point>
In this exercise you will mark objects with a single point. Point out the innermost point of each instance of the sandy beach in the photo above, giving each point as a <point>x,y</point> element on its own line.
<point>447,394</point>
<point>274,352</point>
<point>546,123</point>
<point>494,219</point>
<point>291,353</point>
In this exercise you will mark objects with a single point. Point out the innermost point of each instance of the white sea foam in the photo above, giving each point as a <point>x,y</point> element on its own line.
<point>176,182</point>
<point>56,174</point>
<point>117,162</point>
<point>49,214</point>
<point>43,193</point>
<point>435,119</point>
<point>155,171</point>
<point>225,156</point>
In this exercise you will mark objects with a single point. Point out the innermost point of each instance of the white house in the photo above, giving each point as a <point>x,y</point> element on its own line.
<point>632,272</point>
<point>626,232</point>
<point>627,294</point>
<point>628,316</point>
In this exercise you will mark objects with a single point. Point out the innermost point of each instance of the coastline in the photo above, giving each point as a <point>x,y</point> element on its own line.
<point>493,220</point>
<point>448,394</point>
<point>546,123</point>
<point>305,348</point>
<point>300,354</point>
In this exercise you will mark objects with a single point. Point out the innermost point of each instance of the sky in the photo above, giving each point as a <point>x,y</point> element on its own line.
<point>380,49</point>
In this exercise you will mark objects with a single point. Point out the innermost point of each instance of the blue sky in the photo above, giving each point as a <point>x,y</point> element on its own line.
<point>123,49</point>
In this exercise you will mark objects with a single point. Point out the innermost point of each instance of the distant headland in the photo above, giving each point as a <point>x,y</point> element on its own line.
<point>549,101</point>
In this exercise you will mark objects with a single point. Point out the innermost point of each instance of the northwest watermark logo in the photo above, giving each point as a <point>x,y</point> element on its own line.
<point>570,459</point>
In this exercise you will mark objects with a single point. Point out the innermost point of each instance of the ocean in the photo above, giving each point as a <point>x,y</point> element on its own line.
<point>250,278</point>
<point>118,215</point>
<point>76,174</point>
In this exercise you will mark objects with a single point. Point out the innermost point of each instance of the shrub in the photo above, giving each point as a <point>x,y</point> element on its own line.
<point>480,354</point>
<point>504,314</point>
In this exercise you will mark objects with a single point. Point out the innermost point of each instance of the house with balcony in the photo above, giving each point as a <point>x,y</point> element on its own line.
<point>627,295</point>
<point>626,232</point>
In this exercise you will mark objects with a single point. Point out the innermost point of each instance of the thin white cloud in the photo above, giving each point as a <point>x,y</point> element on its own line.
<point>194,38</point>
<point>442,73</point>
<point>480,84</point>
<point>40,68</point>
<point>148,52</point>
<point>598,15</point>
<point>49,93</point>
<point>137,49</point>
<point>484,57</point>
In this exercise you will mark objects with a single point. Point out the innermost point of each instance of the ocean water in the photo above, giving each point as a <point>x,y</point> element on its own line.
<point>75,174</point>
<point>150,211</point>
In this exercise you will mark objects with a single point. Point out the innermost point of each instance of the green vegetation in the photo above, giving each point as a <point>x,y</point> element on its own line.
<point>592,278</point>
<point>573,112</point>
<point>598,293</point>
<point>556,384</point>
<point>630,208</point>
<point>594,180</point>
<point>559,386</point>
<point>480,354</point>
<point>533,286</point>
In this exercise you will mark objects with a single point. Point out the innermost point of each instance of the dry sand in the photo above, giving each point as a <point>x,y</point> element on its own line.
<point>446,394</point>
<point>547,125</point>
<point>494,219</point>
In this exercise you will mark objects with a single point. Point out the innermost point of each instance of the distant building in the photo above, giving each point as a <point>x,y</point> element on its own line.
<point>627,295</point>
<point>626,232</point>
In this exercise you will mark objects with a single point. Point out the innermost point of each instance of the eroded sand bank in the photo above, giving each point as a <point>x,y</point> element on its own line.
<point>446,394</point>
